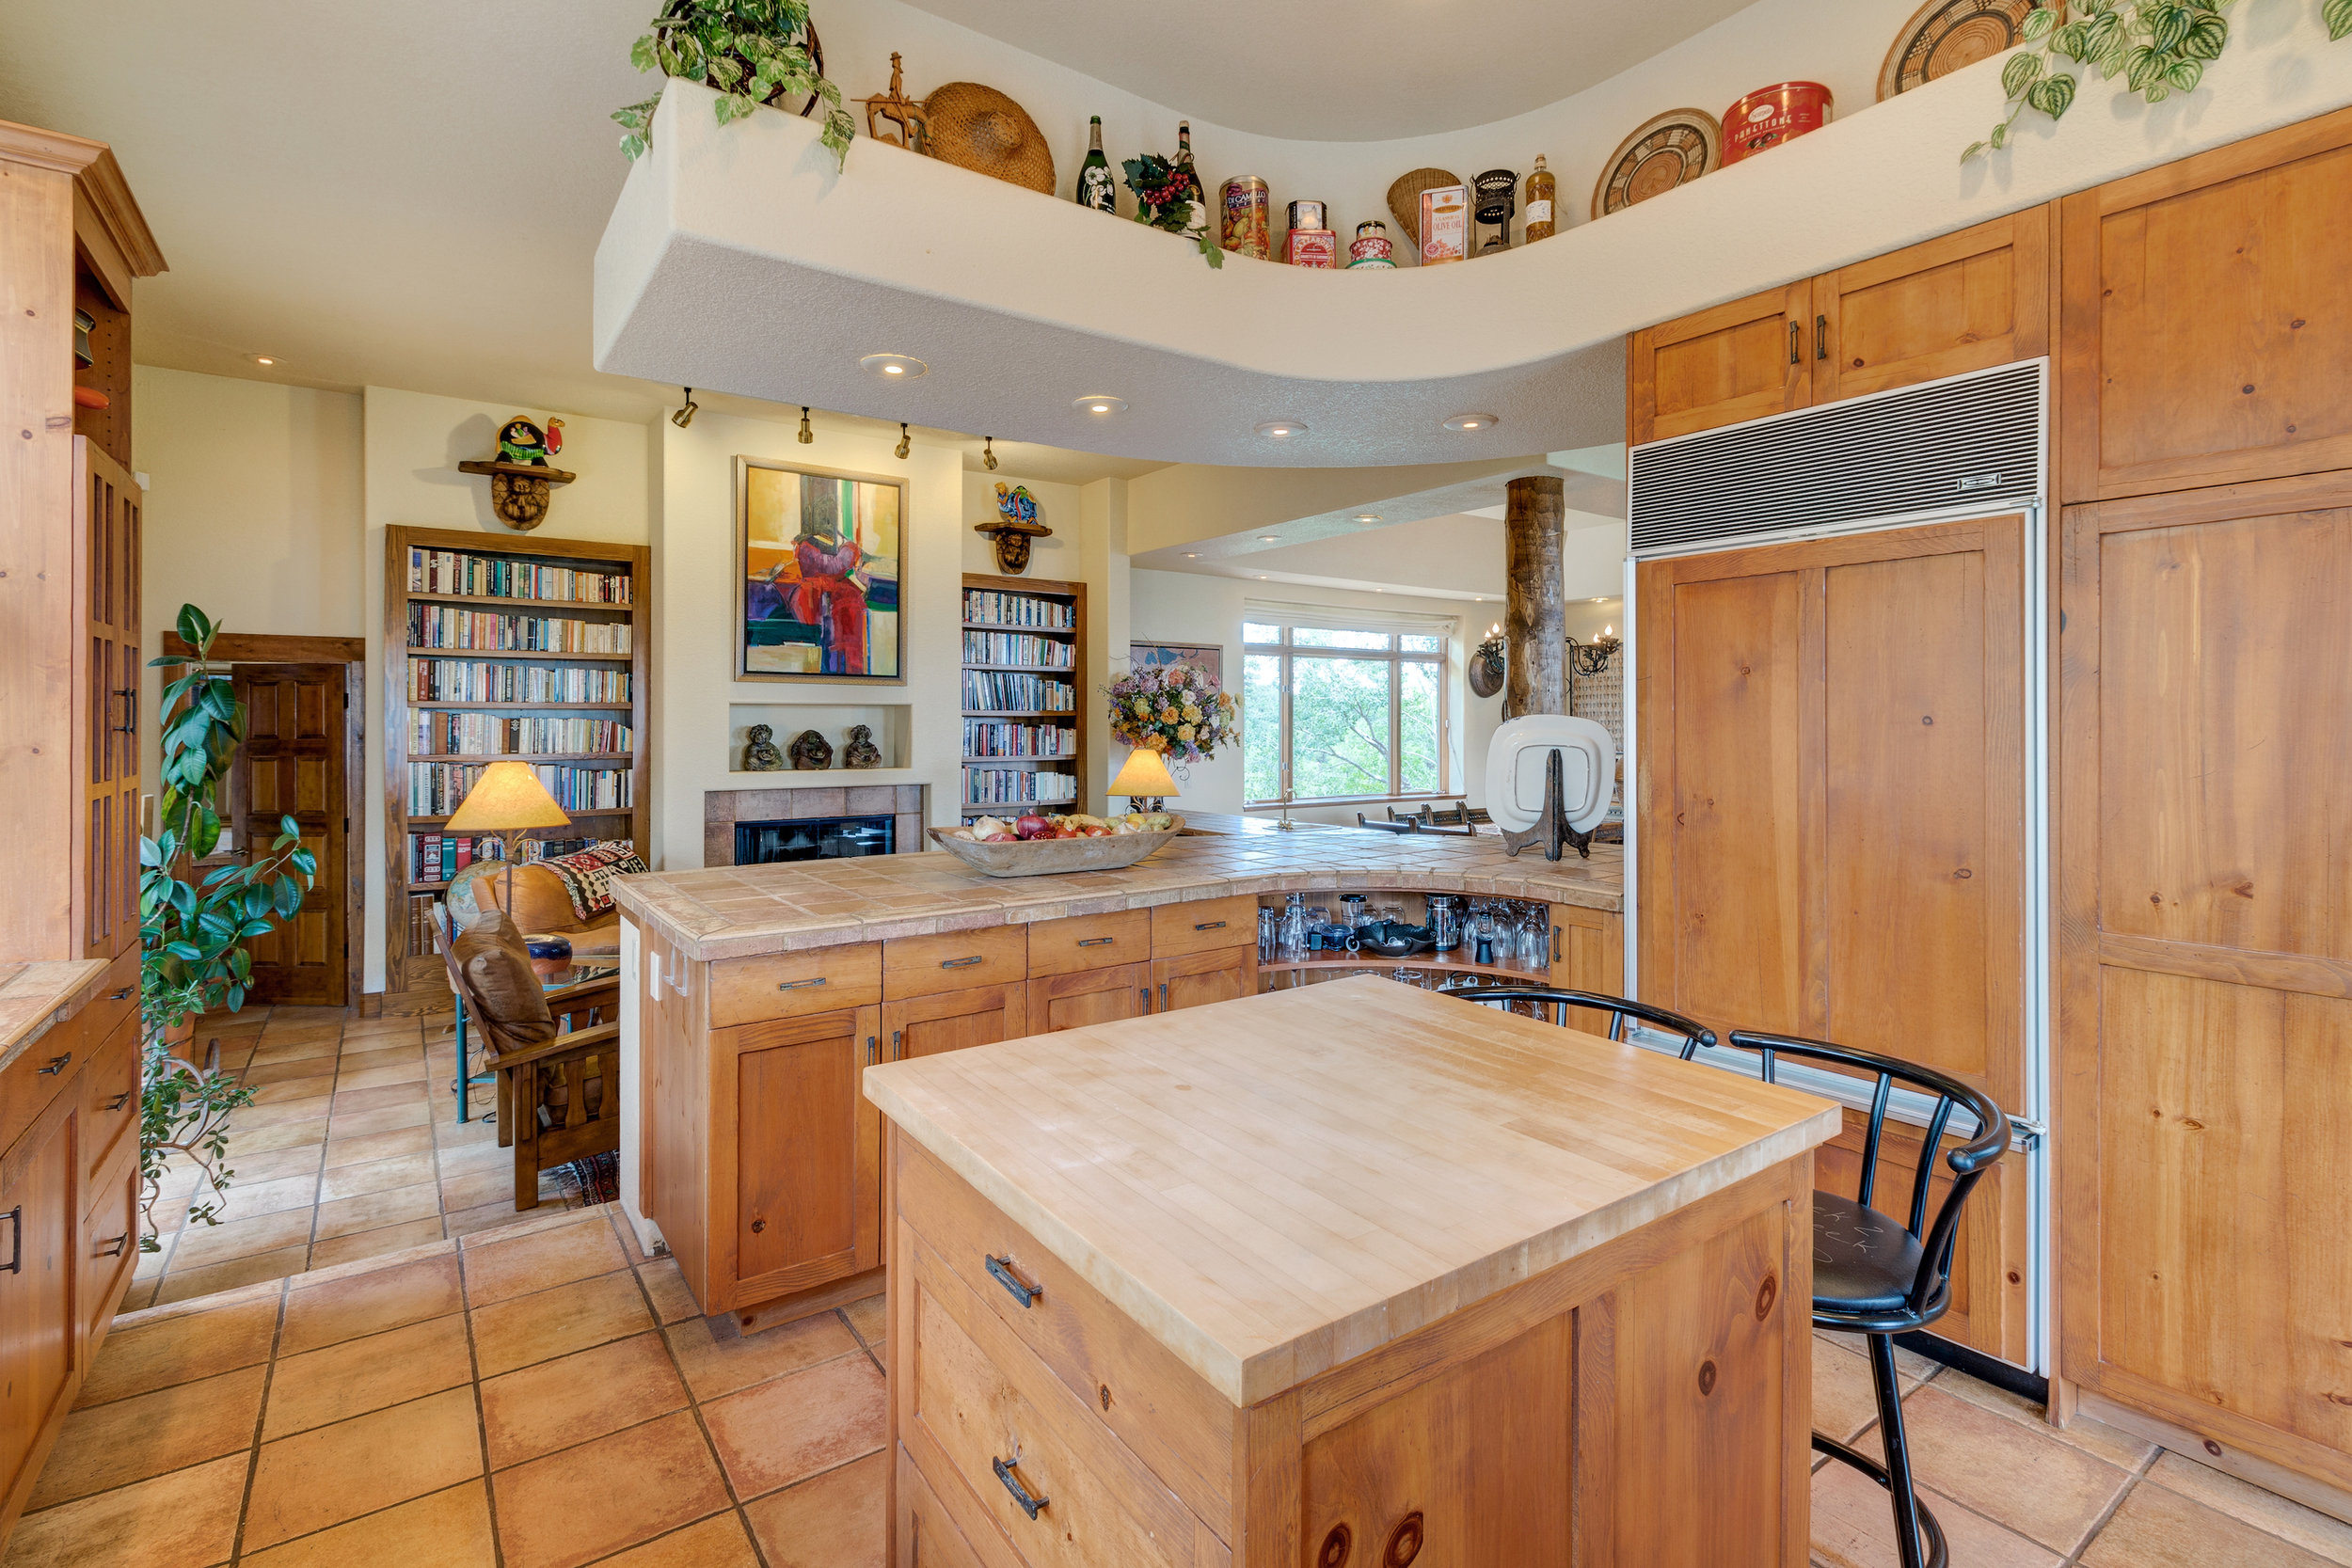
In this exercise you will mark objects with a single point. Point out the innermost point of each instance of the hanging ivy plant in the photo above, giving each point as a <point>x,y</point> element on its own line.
<point>2159,47</point>
<point>752,52</point>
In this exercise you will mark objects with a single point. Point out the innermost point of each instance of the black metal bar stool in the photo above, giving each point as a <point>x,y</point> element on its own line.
<point>1619,1009</point>
<point>1877,1276</point>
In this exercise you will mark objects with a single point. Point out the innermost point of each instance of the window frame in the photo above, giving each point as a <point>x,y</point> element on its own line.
<point>1286,651</point>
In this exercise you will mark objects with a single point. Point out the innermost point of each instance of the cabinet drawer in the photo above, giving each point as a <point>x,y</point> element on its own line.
<point>1175,1422</point>
<point>1203,924</point>
<point>956,960</point>
<point>110,1094</point>
<point>38,1074</point>
<point>929,1535</point>
<point>1089,941</point>
<point>110,1238</point>
<point>794,985</point>
<point>980,1413</point>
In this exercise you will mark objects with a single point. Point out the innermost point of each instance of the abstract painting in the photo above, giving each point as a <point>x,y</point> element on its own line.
<point>819,578</point>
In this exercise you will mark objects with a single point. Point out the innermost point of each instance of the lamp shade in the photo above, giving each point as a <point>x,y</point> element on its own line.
<point>509,797</point>
<point>1145,773</point>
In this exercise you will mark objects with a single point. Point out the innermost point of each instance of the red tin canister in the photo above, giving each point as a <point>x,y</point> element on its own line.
<point>1770,116</point>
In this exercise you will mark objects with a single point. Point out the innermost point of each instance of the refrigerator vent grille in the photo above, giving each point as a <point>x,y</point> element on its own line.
<point>1971,441</point>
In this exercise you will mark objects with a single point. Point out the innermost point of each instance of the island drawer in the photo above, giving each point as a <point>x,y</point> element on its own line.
<point>1202,926</point>
<point>794,985</point>
<point>954,960</point>
<point>110,1094</point>
<point>979,1412</point>
<point>929,1536</point>
<point>1089,941</point>
<point>1156,1405</point>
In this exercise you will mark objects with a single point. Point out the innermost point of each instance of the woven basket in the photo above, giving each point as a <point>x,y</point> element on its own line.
<point>1404,197</point>
<point>980,129</point>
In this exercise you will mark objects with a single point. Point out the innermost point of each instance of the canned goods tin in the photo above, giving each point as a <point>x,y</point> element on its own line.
<point>1247,224</point>
<point>1310,247</point>
<point>1770,116</point>
<point>1372,243</point>
<point>1307,214</point>
<point>1445,222</point>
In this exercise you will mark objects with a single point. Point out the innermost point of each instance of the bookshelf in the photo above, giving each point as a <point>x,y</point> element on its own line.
<point>1026,704</point>
<point>533,650</point>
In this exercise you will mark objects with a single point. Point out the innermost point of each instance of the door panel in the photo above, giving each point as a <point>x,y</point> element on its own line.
<point>1093,996</point>
<point>109,516</point>
<point>38,1326</point>
<point>1200,978</point>
<point>291,765</point>
<point>798,1149</point>
<point>1737,361</point>
<point>952,1021</point>
<point>1963,302</point>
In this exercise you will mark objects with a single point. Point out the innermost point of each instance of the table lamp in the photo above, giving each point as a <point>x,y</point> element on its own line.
<point>1144,777</point>
<point>508,801</point>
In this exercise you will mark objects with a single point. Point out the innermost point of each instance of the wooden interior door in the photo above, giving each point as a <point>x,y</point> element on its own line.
<point>1963,302</point>
<point>2205,963</point>
<point>1833,803</point>
<point>807,1151</point>
<point>109,516</point>
<point>293,764</point>
<point>2206,320</point>
<point>1737,361</point>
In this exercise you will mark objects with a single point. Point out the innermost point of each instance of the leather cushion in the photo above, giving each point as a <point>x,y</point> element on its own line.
<point>497,967</point>
<point>1863,1262</point>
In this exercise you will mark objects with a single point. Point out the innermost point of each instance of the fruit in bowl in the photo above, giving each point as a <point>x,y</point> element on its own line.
<point>1031,825</point>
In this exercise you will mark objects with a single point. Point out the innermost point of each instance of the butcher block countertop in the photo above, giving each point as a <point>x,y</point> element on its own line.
<point>34,997</point>
<point>740,911</point>
<point>1274,1185</point>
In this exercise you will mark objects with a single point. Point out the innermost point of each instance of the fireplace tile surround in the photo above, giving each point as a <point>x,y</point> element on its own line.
<point>724,808</point>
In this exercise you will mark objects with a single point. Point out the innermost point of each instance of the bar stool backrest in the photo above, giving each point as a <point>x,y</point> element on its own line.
<point>1691,1033</point>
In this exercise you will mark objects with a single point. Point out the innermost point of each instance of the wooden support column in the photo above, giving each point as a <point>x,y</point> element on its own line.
<point>1535,617</point>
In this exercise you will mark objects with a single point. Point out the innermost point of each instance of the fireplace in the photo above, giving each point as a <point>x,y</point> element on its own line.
<point>813,838</point>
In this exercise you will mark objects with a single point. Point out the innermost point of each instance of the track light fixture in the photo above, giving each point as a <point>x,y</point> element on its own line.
<point>906,443</point>
<point>988,452</point>
<point>685,415</point>
<point>807,435</point>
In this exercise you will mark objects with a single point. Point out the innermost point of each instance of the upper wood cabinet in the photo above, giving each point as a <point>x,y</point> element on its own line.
<point>2206,325</point>
<point>1963,302</point>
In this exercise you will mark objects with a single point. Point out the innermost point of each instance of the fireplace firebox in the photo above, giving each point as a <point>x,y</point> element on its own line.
<point>813,838</point>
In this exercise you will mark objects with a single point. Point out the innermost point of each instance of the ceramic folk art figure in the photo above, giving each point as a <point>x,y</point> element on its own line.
<point>862,752</point>
<point>811,751</point>
<point>760,752</point>
<point>520,476</point>
<point>1015,527</point>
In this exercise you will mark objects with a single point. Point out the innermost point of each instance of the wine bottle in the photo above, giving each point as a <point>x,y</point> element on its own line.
<point>1540,190</point>
<point>1198,217</point>
<point>1096,189</point>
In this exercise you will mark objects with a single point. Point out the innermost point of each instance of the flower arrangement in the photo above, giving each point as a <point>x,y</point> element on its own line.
<point>1173,709</point>
<point>1167,195</point>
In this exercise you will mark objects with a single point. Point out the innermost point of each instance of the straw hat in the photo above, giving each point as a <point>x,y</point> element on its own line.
<point>980,129</point>
<point>1404,196</point>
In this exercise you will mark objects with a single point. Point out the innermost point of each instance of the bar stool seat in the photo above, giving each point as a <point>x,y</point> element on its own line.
<point>1863,1262</point>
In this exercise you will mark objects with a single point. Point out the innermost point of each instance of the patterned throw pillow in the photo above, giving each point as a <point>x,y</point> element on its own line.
<point>588,875</point>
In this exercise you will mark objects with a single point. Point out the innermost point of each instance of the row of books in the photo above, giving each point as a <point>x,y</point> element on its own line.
<point>463,680</point>
<point>488,734</point>
<point>492,576</point>
<point>438,857</point>
<point>1017,787</point>
<point>998,691</point>
<point>1017,610</point>
<point>1012,647</point>
<point>424,933</point>
<point>447,626</point>
<point>435,788</point>
<point>984,739</point>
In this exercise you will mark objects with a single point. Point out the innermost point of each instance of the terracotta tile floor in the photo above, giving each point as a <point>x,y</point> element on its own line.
<point>353,1150</point>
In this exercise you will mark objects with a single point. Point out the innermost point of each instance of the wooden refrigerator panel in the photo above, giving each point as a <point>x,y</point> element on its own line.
<point>1960,302</point>
<point>1736,361</point>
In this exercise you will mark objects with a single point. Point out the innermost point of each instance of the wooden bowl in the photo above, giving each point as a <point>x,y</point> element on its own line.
<point>1057,857</point>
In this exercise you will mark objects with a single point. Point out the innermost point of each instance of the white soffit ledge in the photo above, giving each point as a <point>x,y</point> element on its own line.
<point>738,260</point>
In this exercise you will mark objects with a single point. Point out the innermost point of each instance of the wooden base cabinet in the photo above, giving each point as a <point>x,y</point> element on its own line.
<point>1566,1420</point>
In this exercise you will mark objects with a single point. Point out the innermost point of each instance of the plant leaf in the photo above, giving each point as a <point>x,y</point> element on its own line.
<point>2337,14</point>
<point>2023,71</point>
<point>2184,74</point>
<point>2053,95</point>
<point>2039,23</point>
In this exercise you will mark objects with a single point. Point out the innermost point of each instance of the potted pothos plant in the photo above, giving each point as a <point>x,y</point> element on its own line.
<point>752,52</point>
<point>196,923</point>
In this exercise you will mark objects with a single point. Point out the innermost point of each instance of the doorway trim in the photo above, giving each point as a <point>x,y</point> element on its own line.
<point>247,647</point>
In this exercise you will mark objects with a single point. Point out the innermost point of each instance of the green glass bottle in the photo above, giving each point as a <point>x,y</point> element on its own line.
<point>1096,188</point>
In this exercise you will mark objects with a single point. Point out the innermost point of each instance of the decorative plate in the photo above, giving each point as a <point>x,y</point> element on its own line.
<point>1672,149</point>
<point>1947,35</point>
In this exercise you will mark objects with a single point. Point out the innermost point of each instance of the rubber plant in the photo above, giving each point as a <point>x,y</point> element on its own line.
<point>752,52</point>
<point>195,925</point>
<point>2159,47</point>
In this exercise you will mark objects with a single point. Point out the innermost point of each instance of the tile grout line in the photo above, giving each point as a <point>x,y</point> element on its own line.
<point>260,1417</point>
<point>480,1420</point>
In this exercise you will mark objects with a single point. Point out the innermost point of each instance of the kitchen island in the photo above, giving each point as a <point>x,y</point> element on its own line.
<point>756,995</point>
<point>1356,1274</point>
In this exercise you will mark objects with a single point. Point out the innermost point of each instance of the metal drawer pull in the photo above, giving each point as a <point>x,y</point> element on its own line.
<point>959,963</point>
<point>16,1241</point>
<point>114,1248</point>
<point>796,984</point>
<point>118,996</point>
<point>1030,1505</point>
<point>1096,941</point>
<point>1026,1294</point>
<point>121,1101</point>
<point>1210,925</point>
<point>56,1065</point>
<point>869,1051</point>
<point>1796,343</point>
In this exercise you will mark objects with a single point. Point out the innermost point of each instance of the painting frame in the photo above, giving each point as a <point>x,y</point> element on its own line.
<point>1207,657</point>
<point>747,641</point>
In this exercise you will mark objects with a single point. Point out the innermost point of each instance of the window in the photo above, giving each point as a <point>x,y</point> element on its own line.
<point>1341,712</point>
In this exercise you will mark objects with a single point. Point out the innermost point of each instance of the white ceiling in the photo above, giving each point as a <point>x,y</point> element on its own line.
<point>1358,71</point>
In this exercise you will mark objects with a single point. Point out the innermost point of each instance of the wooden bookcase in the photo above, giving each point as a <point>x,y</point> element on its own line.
<point>1065,681</point>
<point>410,962</point>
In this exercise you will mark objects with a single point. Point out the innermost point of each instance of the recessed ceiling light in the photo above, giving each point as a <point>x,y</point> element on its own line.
<point>1472,421</point>
<point>1100,404</point>
<point>1192,555</point>
<point>893,366</point>
<point>1367,517</point>
<point>1269,539</point>
<point>1262,577</point>
<point>1280,430</point>
<point>264,359</point>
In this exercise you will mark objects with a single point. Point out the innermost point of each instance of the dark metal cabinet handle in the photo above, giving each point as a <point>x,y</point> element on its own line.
<point>1097,941</point>
<point>1020,1289</point>
<point>130,695</point>
<point>16,1241</point>
<point>959,963</point>
<point>113,1248</point>
<point>1820,337</point>
<point>1555,944</point>
<point>1030,1504</point>
<point>895,1036</point>
<point>1163,996</point>
<point>759,1227</point>
<point>1147,999</point>
<point>1796,343</point>
<point>117,996</point>
<point>121,1101</point>
<point>870,1050</point>
<point>56,1065</point>
<point>796,984</point>
<point>1210,925</point>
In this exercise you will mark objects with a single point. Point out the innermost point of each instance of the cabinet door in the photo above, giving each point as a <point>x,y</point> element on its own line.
<point>952,1021</point>
<point>38,1334</point>
<point>1091,996</point>
<point>107,534</point>
<point>807,1157</point>
<point>1199,978</point>
<point>110,1242</point>
<point>1737,361</point>
<point>2206,318</point>
<point>1963,302</point>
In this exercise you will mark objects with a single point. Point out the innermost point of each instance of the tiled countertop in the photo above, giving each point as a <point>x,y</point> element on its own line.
<point>35,996</point>
<point>737,911</point>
